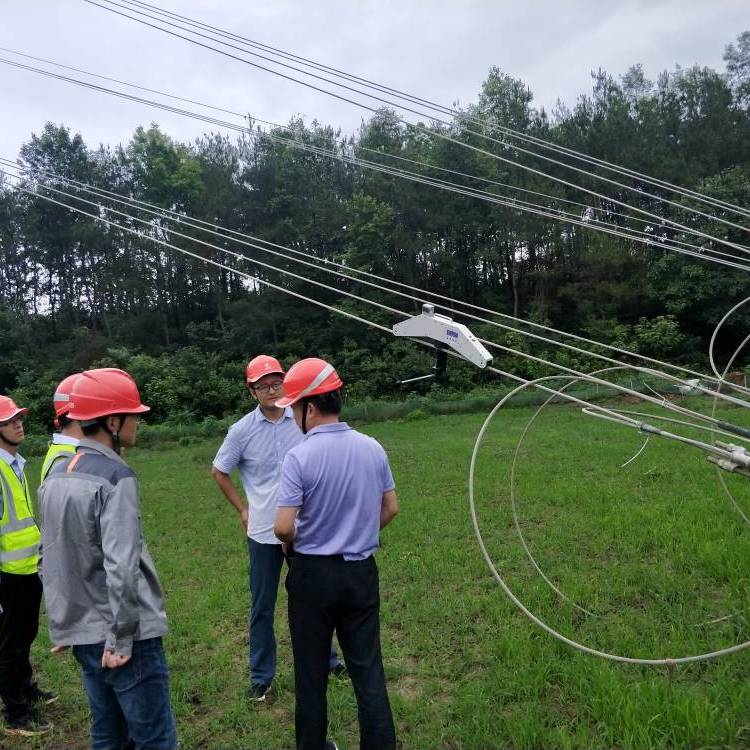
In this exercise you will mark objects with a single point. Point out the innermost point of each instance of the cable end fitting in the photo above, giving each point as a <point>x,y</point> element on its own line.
<point>648,428</point>
<point>729,465</point>
<point>737,454</point>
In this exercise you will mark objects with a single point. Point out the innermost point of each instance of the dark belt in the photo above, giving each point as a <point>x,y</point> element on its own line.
<point>306,556</point>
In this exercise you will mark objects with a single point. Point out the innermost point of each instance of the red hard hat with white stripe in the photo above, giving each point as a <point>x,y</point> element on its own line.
<point>10,410</point>
<point>61,399</point>
<point>309,377</point>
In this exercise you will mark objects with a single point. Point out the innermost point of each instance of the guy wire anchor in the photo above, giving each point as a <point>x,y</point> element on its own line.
<point>446,333</point>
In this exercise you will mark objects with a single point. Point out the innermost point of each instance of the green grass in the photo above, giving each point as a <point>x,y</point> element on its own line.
<point>652,550</point>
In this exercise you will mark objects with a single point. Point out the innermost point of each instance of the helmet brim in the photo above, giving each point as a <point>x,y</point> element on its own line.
<point>142,409</point>
<point>253,381</point>
<point>87,416</point>
<point>16,413</point>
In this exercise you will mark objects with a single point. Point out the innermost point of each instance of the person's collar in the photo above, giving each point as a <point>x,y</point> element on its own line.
<point>59,439</point>
<point>10,459</point>
<point>331,427</point>
<point>288,414</point>
<point>87,446</point>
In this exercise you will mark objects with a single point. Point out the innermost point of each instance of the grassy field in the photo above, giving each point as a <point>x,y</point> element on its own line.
<point>652,550</point>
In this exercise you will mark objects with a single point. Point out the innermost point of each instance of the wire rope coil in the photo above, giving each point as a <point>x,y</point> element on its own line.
<point>669,662</point>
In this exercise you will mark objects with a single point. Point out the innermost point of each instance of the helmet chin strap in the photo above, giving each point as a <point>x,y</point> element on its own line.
<point>115,435</point>
<point>305,402</point>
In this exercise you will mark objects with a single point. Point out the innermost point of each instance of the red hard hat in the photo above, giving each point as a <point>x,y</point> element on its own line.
<point>99,393</point>
<point>309,377</point>
<point>61,399</point>
<point>260,366</point>
<point>9,409</point>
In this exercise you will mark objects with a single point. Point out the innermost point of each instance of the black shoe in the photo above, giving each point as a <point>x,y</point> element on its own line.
<point>258,691</point>
<point>339,671</point>
<point>27,727</point>
<point>331,745</point>
<point>42,696</point>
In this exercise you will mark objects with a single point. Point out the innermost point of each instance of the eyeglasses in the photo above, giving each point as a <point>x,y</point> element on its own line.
<point>268,387</point>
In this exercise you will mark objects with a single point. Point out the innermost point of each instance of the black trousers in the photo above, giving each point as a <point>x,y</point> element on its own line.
<point>20,597</point>
<point>327,594</point>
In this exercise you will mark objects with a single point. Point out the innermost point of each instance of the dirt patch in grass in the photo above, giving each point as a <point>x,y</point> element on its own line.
<point>409,687</point>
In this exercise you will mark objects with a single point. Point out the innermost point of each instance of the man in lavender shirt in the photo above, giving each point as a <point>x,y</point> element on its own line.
<point>336,493</point>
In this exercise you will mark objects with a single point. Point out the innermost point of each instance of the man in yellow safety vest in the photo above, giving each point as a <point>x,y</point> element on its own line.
<point>65,441</point>
<point>20,587</point>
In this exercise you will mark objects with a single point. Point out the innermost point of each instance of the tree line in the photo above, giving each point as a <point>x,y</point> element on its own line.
<point>75,293</point>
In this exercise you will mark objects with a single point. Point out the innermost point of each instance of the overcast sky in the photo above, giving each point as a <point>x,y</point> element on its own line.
<point>438,49</point>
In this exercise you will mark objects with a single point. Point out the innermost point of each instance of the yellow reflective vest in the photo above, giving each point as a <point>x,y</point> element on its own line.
<point>19,534</point>
<point>54,453</point>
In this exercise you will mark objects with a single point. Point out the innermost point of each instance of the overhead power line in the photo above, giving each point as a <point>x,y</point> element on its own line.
<point>137,7</point>
<point>386,285</point>
<point>608,211</point>
<point>139,18</point>
<point>525,355</point>
<point>535,209</point>
<point>484,122</point>
<point>647,235</point>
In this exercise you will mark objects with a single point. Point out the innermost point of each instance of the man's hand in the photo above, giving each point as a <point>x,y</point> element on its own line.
<point>59,649</point>
<point>226,485</point>
<point>388,508</point>
<point>283,526</point>
<point>113,660</point>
